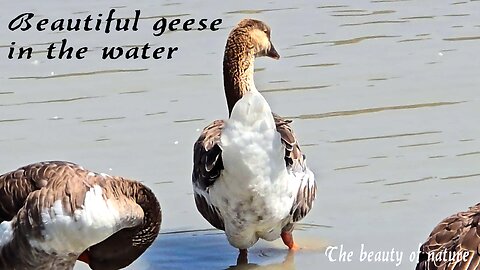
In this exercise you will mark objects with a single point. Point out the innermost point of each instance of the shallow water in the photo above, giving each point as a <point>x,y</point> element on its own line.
<point>383,94</point>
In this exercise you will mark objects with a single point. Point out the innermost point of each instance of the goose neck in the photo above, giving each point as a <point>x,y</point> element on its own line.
<point>238,69</point>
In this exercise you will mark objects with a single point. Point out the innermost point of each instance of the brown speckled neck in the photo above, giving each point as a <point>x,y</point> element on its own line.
<point>237,66</point>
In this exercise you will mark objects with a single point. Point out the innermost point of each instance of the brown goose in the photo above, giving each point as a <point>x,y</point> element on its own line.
<point>53,213</point>
<point>250,178</point>
<point>454,243</point>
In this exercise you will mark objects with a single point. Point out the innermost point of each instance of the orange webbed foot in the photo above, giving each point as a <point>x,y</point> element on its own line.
<point>287,238</point>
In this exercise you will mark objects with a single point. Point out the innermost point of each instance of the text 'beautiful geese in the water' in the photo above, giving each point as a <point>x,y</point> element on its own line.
<point>454,243</point>
<point>250,178</point>
<point>53,213</point>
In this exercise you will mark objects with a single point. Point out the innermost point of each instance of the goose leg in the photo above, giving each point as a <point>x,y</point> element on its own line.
<point>287,238</point>
<point>242,257</point>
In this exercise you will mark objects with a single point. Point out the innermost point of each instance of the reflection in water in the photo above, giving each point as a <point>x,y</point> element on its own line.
<point>358,39</point>
<point>299,55</point>
<point>193,250</point>
<point>395,201</point>
<point>374,22</point>
<point>419,144</point>
<point>103,119</point>
<point>469,153</point>
<point>386,137</point>
<point>188,120</point>
<point>76,74</point>
<point>133,92</point>
<point>409,181</point>
<point>333,6</point>
<point>350,167</point>
<point>412,39</point>
<point>374,110</point>
<point>13,120</point>
<point>460,176</point>
<point>418,17</point>
<point>300,88</point>
<point>257,11</point>
<point>462,38</point>
<point>209,249</point>
<point>287,264</point>
<point>195,74</point>
<point>359,12</point>
<point>51,101</point>
<point>319,65</point>
<point>155,113</point>
<point>438,156</point>
<point>372,181</point>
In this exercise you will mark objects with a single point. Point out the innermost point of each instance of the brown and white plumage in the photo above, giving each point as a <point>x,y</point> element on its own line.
<point>458,234</point>
<point>249,176</point>
<point>53,213</point>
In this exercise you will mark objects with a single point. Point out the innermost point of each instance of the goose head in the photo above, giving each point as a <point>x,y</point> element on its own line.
<point>249,39</point>
<point>125,246</point>
<point>255,36</point>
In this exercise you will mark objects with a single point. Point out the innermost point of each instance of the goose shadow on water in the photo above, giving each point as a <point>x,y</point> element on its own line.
<point>209,249</point>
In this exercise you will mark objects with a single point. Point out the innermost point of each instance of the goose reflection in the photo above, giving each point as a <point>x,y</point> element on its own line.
<point>287,264</point>
<point>207,249</point>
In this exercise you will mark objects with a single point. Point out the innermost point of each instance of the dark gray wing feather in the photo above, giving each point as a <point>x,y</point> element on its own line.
<point>207,166</point>
<point>296,162</point>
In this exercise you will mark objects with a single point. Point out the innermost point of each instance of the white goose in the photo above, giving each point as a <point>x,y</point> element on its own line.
<point>250,178</point>
<point>53,213</point>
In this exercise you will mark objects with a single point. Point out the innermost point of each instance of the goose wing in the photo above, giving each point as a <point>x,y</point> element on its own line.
<point>207,166</point>
<point>296,164</point>
<point>47,190</point>
<point>70,216</point>
<point>15,186</point>
<point>458,234</point>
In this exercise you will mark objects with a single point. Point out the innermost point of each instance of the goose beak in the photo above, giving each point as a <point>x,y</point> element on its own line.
<point>272,52</point>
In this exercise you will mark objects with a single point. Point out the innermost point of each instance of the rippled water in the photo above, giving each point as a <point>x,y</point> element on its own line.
<point>383,94</point>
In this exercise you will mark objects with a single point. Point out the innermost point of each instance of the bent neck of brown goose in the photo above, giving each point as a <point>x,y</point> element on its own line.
<point>238,64</point>
<point>122,248</point>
